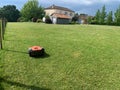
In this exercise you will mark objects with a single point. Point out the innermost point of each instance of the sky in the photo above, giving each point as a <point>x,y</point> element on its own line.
<point>79,6</point>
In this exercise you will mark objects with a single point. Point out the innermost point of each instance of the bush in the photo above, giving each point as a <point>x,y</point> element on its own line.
<point>21,19</point>
<point>39,20</point>
<point>34,19</point>
<point>48,20</point>
<point>93,22</point>
<point>74,22</point>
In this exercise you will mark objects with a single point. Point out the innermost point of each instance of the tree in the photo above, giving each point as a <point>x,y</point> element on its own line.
<point>90,20</point>
<point>31,9</point>
<point>109,20</point>
<point>75,18</point>
<point>103,15</point>
<point>10,13</point>
<point>117,16</point>
<point>97,17</point>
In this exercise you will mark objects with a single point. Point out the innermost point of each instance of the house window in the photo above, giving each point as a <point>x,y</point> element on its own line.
<point>71,14</point>
<point>66,13</point>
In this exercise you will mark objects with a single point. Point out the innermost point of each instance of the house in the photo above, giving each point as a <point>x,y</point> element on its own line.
<point>59,15</point>
<point>82,19</point>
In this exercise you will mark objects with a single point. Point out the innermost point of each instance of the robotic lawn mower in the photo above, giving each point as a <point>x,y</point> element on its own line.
<point>36,51</point>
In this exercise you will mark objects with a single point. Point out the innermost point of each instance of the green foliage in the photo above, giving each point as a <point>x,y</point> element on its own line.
<point>109,20</point>
<point>21,19</point>
<point>0,24</point>
<point>97,17</point>
<point>89,19</point>
<point>117,16</point>
<point>75,18</point>
<point>34,19</point>
<point>103,15</point>
<point>0,35</point>
<point>102,18</point>
<point>73,22</point>
<point>31,9</point>
<point>39,20</point>
<point>10,13</point>
<point>47,19</point>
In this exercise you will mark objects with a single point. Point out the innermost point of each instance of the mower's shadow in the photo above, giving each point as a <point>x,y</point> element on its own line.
<point>45,55</point>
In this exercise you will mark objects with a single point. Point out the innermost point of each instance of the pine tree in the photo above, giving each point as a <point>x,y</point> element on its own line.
<point>103,15</point>
<point>109,20</point>
<point>89,19</point>
<point>117,16</point>
<point>97,17</point>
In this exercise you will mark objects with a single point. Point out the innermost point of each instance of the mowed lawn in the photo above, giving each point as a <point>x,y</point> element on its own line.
<point>78,57</point>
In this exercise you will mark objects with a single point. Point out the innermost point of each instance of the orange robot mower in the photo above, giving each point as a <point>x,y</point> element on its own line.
<point>36,51</point>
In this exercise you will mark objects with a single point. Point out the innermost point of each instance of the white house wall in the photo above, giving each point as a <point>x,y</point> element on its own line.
<point>54,20</point>
<point>49,12</point>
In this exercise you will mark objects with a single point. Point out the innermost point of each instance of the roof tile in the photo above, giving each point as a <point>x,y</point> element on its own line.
<point>59,8</point>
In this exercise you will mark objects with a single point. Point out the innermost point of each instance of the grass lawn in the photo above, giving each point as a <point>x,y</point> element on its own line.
<point>79,57</point>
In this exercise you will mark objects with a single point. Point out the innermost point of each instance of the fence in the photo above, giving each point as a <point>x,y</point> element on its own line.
<point>3,23</point>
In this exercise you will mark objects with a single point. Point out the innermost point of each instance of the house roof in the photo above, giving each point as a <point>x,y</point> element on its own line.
<point>83,16</point>
<point>60,16</point>
<point>59,8</point>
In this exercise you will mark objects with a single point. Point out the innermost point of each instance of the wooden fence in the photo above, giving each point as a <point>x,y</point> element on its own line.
<point>3,23</point>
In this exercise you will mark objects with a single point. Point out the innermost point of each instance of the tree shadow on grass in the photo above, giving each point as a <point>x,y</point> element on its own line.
<point>1,87</point>
<point>20,85</point>
<point>15,51</point>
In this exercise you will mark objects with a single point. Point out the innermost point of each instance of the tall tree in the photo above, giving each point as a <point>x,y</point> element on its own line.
<point>97,17</point>
<point>10,13</point>
<point>76,17</point>
<point>103,15</point>
<point>89,19</point>
<point>31,9</point>
<point>109,20</point>
<point>117,16</point>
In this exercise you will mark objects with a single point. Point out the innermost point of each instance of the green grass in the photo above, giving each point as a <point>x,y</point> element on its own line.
<point>79,57</point>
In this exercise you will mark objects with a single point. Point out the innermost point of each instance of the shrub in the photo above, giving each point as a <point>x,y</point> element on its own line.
<point>47,19</point>
<point>93,22</point>
<point>21,19</point>
<point>34,19</point>
<point>74,22</point>
<point>39,20</point>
